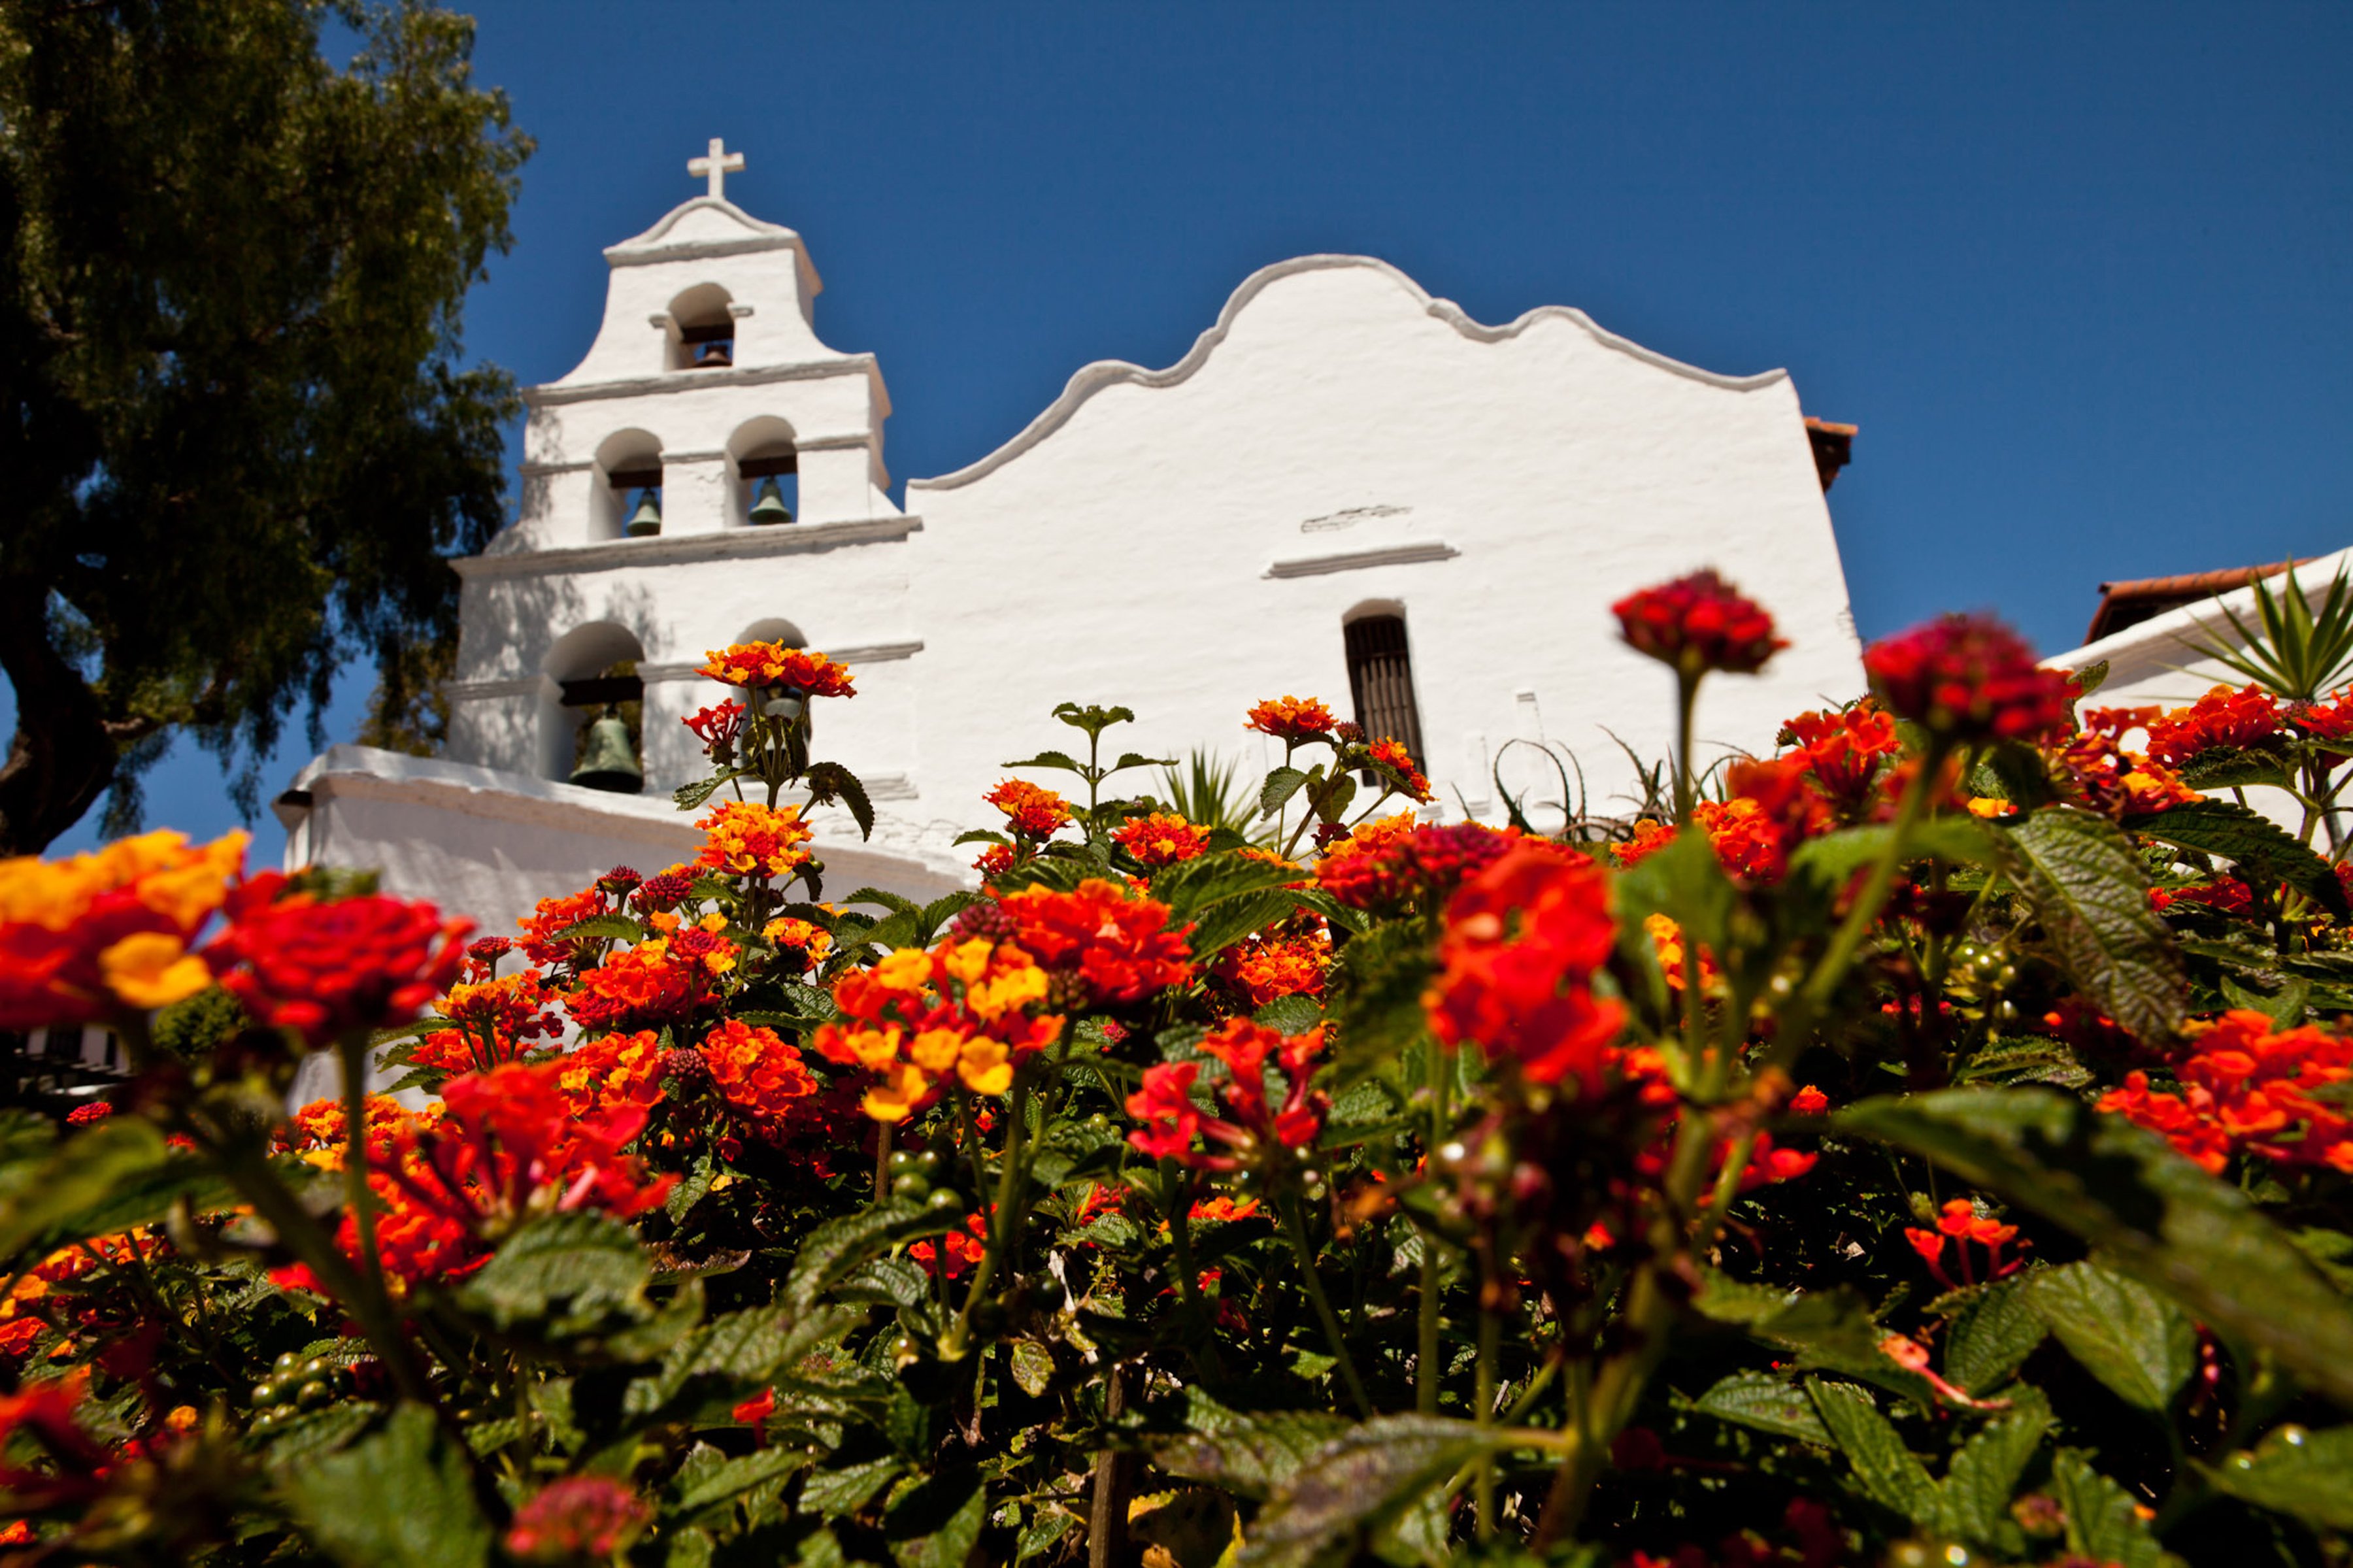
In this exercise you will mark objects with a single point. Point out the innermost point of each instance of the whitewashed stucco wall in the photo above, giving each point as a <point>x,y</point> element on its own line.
<point>1189,540</point>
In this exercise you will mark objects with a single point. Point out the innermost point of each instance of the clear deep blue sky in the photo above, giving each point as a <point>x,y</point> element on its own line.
<point>2081,274</point>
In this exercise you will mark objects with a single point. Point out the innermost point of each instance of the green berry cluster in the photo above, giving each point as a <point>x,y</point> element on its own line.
<point>296,1385</point>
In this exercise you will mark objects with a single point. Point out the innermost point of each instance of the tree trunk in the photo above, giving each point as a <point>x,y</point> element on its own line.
<point>61,759</point>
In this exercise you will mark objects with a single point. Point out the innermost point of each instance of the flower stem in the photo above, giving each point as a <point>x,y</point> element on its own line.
<point>354,1049</point>
<point>1003,1221</point>
<point>1490,1324</point>
<point>1297,1229</point>
<point>1440,1080</point>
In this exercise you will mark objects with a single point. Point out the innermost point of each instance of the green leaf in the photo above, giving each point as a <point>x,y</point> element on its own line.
<point>1994,1329</point>
<point>2285,1003</point>
<point>2026,1058</point>
<point>1973,1500</point>
<point>1094,719</point>
<point>398,1500</point>
<point>602,928</point>
<point>2089,678</point>
<point>1331,805</point>
<point>1032,1366</point>
<point>2157,1216</point>
<point>2139,1344</point>
<point>829,1494</point>
<point>1060,760</point>
<point>1247,1455</point>
<point>2228,767</point>
<point>2087,888</point>
<point>1358,1482</point>
<point>689,795</point>
<point>935,1522</point>
<point>2102,1522</point>
<point>1374,996</point>
<point>897,903</point>
<point>1883,1467</point>
<point>801,1005</point>
<point>701,1482</point>
<point>1137,760</point>
<point>579,1266</point>
<point>1685,882</point>
<point>2294,1472</point>
<point>1769,1403</point>
<point>836,1249</point>
<point>1832,1330</point>
<point>2248,839</point>
<point>1280,785</point>
<point>78,1176</point>
<point>830,782</point>
<point>1290,1015</point>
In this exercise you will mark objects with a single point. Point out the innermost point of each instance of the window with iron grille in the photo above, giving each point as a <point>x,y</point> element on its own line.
<point>1380,678</point>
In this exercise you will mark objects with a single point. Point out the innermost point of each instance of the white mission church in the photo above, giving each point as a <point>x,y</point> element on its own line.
<point>1348,489</point>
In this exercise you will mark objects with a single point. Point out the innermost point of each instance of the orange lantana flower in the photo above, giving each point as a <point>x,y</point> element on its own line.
<point>767,663</point>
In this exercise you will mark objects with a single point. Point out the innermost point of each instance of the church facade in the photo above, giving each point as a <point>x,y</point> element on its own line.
<point>1348,489</point>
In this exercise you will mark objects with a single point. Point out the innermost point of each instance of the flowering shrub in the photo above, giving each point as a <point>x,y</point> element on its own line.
<point>1929,1142</point>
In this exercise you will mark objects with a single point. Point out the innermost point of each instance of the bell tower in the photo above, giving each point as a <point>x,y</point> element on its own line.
<point>705,393</point>
<point>700,470</point>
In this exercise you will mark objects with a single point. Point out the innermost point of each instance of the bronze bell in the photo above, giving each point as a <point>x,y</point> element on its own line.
<point>768,504</point>
<point>715,355</point>
<point>609,761</point>
<point>645,520</point>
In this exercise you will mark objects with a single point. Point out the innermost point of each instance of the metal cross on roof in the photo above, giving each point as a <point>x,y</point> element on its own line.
<point>718,166</point>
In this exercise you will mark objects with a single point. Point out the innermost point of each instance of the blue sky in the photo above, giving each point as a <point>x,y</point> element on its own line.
<point>2079,273</point>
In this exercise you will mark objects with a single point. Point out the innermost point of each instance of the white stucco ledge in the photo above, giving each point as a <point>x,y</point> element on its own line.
<point>489,843</point>
<point>1350,559</point>
<point>666,549</point>
<point>365,772</point>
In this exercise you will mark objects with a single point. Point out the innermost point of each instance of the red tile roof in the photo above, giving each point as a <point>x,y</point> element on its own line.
<point>1833,448</point>
<point>2129,602</point>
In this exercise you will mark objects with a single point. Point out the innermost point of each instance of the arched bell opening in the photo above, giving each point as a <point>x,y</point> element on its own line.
<point>627,499</point>
<point>763,474</point>
<point>592,726</point>
<point>701,329</point>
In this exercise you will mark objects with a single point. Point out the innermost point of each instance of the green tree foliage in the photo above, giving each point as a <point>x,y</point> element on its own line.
<point>240,440</point>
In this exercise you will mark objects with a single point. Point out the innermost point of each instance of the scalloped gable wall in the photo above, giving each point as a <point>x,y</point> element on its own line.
<point>1502,485</point>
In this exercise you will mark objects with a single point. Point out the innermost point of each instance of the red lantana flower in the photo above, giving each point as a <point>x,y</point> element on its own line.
<point>2248,1087</point>
<point>1113,941</point>
<point>1162,839</point>
<point>1968,677</point>
<point>1843,750</point>
<point>87,936</point>
<point>1698,623</point>
<point>1031,811</point>
<point>717,728</point>
<point>772,667</point>
<point>1264,969</point>
<point>1960,1226</point>
<point>1254,1126</point>
<point>1520,946</point>
<point>2220,718</point>
<point>1292,719</point>
<point>1391,754</point>
<point>760,1076</point>
<point>579,1519</point>
<point>324,968</point>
